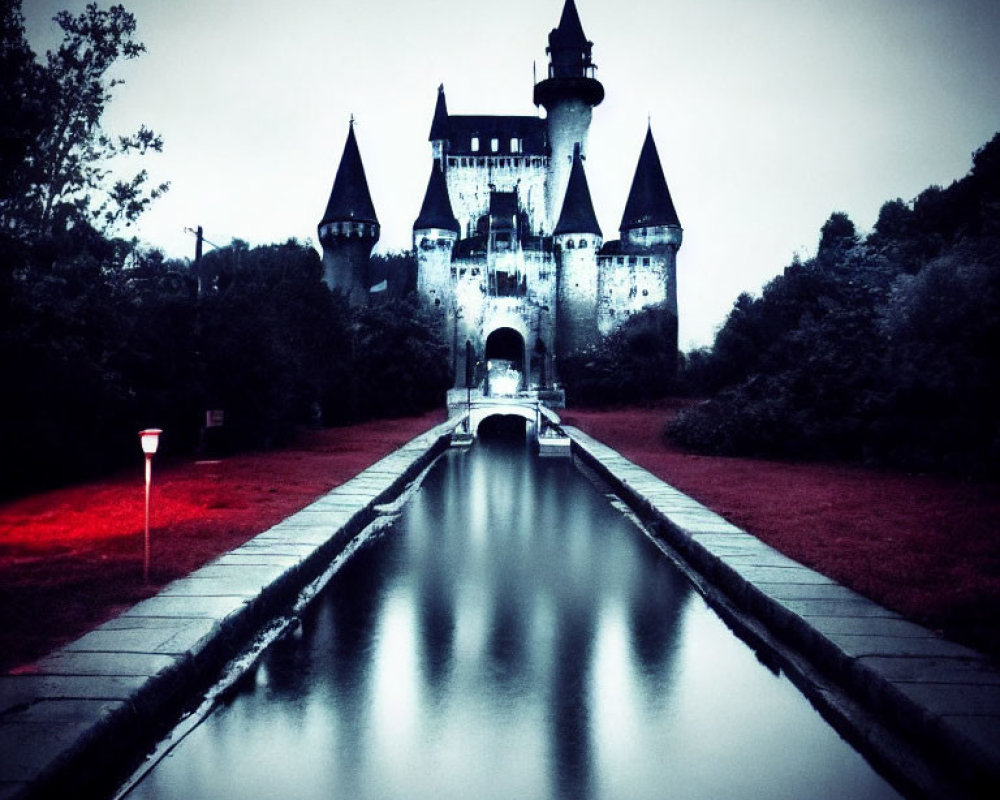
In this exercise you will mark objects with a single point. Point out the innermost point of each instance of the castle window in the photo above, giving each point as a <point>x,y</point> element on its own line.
<point>645,262</point>
<point>645,292</point>
<point>515,145</point>
<point>569,244</point>
<point>631,261</point>
<point>494,145</point>
<point>621,261</point>
<point>475,144</point>
<point>452,162</point>
<point>582,244</point>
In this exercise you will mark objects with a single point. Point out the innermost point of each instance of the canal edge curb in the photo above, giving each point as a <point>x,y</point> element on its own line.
<point>890,684</point>
<point>77,720</point>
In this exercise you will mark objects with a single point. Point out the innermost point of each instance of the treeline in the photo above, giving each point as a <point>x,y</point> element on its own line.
<point>636,363</point>
<point>99,339</point>
<point>882,349</point>
<point>105,341</point>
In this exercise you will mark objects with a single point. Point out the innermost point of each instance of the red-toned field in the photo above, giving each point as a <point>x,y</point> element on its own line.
<point>925,546</point>
<point>72,558</point>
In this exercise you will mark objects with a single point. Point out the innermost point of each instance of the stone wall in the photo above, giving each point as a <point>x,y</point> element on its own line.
<point>469,179</point>
<point>577,292</point>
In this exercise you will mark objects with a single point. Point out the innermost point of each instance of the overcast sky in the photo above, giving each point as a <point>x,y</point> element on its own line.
<point>768,114</point>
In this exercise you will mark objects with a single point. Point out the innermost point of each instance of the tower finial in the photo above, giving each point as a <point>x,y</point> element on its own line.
<point>352,120</point>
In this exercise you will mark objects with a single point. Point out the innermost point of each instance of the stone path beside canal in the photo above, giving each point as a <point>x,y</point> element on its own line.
<point>66,724</point>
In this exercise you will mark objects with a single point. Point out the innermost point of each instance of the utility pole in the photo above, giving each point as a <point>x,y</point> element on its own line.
<point>199,243</point>
<point>199,238</point>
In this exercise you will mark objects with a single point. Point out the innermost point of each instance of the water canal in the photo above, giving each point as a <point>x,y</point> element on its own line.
<point>511,635</point>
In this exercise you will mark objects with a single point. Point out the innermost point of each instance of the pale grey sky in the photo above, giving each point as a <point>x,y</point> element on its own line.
<point>768,114</point>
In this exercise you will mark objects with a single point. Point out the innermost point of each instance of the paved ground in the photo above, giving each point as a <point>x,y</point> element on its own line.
<point>63,724</point>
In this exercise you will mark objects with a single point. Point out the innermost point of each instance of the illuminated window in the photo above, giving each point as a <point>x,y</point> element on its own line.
<point>494,145</point>
<point>515,145</point>
<point>475,144</point>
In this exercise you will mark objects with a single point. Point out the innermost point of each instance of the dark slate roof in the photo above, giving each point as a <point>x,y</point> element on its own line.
<point>649,201</point>
<point>436,211</point>
<point>439,125</point>
<point>530,130</point>
<point>577,214</point>
<point>569,33</point>
<point>350,199</point>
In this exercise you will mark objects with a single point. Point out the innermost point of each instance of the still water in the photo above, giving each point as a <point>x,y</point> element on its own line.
<point>512,635</point>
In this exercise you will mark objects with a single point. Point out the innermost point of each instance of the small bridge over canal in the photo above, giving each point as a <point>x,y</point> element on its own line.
<point>537,408</point>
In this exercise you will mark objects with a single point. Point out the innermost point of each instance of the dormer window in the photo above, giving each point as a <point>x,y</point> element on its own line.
<point>495,145</point>
<point>475,144</point>
<point>515,145</point>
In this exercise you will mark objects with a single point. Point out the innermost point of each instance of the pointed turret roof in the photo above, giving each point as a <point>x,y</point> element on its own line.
<point>649,201</point>
<point>439,125</point>
<point>350,199</point>
<point>436,212</point>
<point>577,214</point>
<point>569,33</point>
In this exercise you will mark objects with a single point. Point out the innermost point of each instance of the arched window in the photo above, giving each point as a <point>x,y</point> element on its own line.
<point>569,244</point>
<point>582,244</point>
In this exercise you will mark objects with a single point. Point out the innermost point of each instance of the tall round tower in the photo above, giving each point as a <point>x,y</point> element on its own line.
<point>568,94</point>
<point>349,228</point>
<point>577,238</point>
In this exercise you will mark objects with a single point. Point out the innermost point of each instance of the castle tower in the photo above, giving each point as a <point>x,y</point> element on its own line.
<point>349,228</point>
<point>434,235</point>
<point>439,128</point>
<point>568,94</point>
<point>577,238</point>
<point>651,235</point>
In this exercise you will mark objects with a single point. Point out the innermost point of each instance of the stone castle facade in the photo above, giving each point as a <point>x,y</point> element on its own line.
<point>510,255</point>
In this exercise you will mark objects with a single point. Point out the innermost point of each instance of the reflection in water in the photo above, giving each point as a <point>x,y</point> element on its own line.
<point>512,635</point>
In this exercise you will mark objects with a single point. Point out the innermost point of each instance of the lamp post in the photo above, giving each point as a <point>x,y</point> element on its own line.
<point>149,439</point>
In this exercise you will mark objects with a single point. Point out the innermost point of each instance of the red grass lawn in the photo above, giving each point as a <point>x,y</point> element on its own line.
<point>72,558</point>
<point>927,547</point>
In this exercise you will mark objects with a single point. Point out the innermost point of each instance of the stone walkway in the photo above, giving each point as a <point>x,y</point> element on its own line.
<point>67,726</point>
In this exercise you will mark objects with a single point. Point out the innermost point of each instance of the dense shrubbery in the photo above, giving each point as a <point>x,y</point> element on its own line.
<point>637,363</point>
<point>95,349</point>
<point>881,350</point>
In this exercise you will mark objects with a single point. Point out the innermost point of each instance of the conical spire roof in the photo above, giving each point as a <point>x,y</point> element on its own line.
<point>350,199</point>
<point>569,33</point>
<point>439,125</point>
<point>649,201</point>
<point>577,214</point>
<point>436,211</point>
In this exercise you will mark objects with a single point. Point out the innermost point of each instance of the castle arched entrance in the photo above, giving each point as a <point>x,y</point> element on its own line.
<point>505,363</point>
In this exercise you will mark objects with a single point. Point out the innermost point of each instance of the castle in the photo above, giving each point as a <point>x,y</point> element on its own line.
<point>509,252</point>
